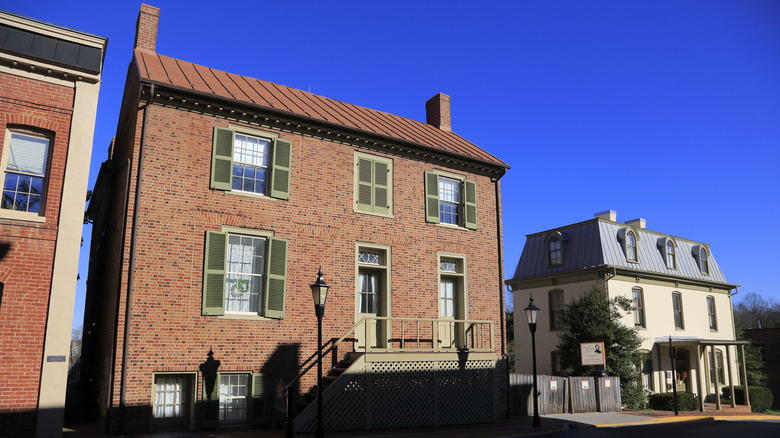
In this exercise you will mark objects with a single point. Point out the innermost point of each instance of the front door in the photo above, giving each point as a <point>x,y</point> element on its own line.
<point>683,367</point>
<point>369,293</point>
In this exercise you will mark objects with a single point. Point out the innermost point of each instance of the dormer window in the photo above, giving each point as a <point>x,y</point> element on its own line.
<point>631,246</point>
<point>704,263</point>
<point>554,252</point>
<point>670,261</point>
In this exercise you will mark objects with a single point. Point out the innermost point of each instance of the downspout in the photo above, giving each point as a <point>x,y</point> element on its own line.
<point>131,264</point>
<point>501,296</point>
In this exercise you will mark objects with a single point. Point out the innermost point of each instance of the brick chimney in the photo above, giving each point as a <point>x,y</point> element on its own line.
<point>146,28</point>
<point>437,112</point>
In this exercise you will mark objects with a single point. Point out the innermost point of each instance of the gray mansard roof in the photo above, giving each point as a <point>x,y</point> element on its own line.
<point>599,243</point>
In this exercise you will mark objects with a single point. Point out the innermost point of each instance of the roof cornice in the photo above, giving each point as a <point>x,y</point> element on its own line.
<point>196,101</point>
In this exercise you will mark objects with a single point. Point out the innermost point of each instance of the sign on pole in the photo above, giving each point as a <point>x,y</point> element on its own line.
<point>592,353</point>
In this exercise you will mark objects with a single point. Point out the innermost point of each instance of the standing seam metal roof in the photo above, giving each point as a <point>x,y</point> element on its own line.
<point>596,243</point>
<point>192,77</point>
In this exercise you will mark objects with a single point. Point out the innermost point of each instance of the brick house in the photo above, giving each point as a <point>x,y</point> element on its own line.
<point>676,286</point>
<point>49,83</point>
<point>221,198</point>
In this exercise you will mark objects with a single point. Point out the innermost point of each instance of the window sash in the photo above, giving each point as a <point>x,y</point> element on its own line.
<point>449,201</point>
<point>555,253</point>
<point>25,173</point>
<point>670,262</point>
<point>368,289</point>
<point>639,308</point>
<point>245,273</point>
<point>630,247</point>
<point>250,163</point>
<point>677,309</point>
<point>170,397</point>
<point>711,313</point>
<point>556,308</point>
<point>447,298</point>
<point>233,397</point>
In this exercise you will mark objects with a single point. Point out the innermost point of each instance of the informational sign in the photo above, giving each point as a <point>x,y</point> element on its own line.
<point>585,384</point>
<point>553,385</point>
<point>592,353</point>
<point>607,383</point>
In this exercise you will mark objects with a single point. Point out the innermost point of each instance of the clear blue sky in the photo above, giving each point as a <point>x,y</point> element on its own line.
<point>666,110</point>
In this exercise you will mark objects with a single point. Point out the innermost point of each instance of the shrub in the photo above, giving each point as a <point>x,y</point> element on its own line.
<point>665,402</point>
<point>760,398</point>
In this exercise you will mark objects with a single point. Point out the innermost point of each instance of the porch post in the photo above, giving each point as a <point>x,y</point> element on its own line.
<point>702,376</point>
<point>717,382</point>
<point>731,377</point>
<point>744,376</point>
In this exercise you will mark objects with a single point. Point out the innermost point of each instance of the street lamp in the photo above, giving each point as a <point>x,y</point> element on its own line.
<point>319,291</point>
<point>532,313</point>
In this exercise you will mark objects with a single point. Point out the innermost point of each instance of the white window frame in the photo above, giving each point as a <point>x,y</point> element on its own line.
<point>265,167</point>
<point>631,247</point>
<point>188,397</point>
<point>458,184</point>
<point>237,231</point>
<point>17,214</point>
<point>671,254</point>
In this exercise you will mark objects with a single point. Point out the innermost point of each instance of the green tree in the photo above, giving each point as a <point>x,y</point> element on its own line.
<point>592,317</point>
<point>756,376</point>
<point>510,339</point>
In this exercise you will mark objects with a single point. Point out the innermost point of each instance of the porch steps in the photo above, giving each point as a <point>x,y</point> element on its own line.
<point>328,379</point>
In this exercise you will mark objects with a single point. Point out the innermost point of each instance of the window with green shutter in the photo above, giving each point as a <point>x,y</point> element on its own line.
<point>373,184</point>
<point>248,161</point>
<point>450,200</point>
<point>244,274</point>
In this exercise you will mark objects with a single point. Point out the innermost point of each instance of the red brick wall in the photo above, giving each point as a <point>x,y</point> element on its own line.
<point>168,332</point>
<point>27,268</point>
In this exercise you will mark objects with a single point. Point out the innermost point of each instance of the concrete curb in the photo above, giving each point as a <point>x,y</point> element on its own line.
<point>678,419</point>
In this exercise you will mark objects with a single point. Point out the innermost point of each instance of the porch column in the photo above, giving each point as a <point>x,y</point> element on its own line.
<point>744,376</point>
<point>715,372</point>
<point>731,377</point>
<point>701,376</point>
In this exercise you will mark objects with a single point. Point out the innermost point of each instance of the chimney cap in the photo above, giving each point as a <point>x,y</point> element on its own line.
<point>638,222</point>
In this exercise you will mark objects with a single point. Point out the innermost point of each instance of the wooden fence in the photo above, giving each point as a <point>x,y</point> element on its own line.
<point>559,395</point>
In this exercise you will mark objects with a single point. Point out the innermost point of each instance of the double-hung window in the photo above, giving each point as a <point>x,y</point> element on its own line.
<point>704,262</point>
<point>248,161</point>
<point>713,318</point>
<point>557,306</point>
<point>671,263</point>
<point>234,398</point>
<point>677,310</point>
<point>451,200</point>
<point>244,274</point>
<point>631,246</point>
<point>24,171</point>
<point>638,307</point>
<point>373,185</point>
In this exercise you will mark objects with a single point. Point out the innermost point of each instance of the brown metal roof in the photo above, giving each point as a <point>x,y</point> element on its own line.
<point>192,77</point>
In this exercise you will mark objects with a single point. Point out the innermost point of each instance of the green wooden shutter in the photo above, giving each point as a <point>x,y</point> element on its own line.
<point>365,186</point>
<point>276,278</point>
<point>222,159</point>
<point>214,273</point>
<point>280,169</point>
<point>258,392</point>
<point>431,197</point>
<point>470,205</point>
<point>381,201</point>
<point>211,404</point>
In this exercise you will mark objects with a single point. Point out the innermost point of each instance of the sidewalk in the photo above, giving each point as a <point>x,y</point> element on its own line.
<point>553,425</point>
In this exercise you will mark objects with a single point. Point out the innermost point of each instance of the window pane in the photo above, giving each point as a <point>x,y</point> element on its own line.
<point>245,270</point>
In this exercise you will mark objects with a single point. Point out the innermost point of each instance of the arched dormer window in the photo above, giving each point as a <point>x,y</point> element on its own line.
<point>630,241</point>
<point>668,248</point>
<point>631,246</point>
<point>704,261</point>
<point>702,257</point>
<point>554,245</point>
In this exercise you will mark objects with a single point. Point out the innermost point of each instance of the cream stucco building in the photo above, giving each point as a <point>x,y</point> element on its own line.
<point>678,290</point>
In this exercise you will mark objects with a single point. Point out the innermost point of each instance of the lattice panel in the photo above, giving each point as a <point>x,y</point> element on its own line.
<point>347,410</point>
<point>401,394</point>
<point>465,392</point>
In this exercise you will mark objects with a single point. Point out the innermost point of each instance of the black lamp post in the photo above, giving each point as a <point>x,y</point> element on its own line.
<point>319,291</point>
<point>532,313</point>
